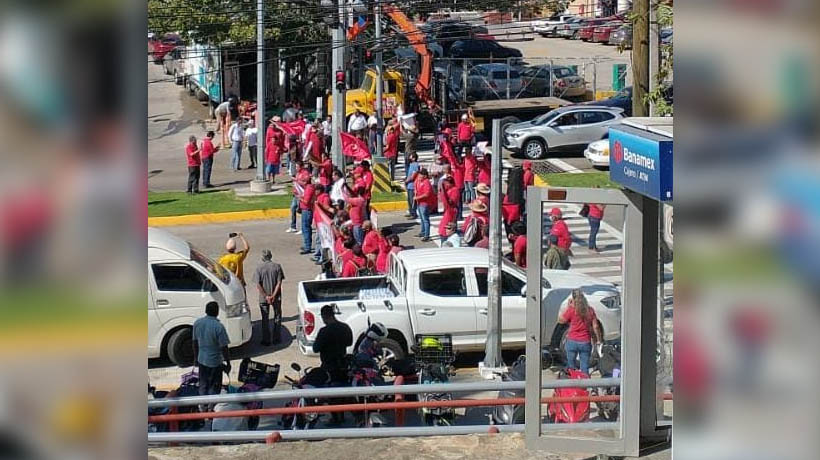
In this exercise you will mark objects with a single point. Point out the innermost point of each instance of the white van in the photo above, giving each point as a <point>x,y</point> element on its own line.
<point>181,280</point>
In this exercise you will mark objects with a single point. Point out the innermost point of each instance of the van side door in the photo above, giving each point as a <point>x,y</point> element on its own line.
<point>182,291</point>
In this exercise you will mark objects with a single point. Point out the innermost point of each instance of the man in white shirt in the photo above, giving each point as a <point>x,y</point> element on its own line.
<point>372,132</point>
<point>451,239</point>
<point>357,123</point>
<point>337,187</point>
<point>236,135</point>
<point>327,132</point>
<point>250,138</point>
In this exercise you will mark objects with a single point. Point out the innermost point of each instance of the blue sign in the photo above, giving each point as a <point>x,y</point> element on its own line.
<point>641,161</point>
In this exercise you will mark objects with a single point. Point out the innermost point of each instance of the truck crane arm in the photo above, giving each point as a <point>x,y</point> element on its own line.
<point>417,40</point>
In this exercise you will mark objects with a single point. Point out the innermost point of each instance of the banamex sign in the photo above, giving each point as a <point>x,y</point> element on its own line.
<point>641,161</point>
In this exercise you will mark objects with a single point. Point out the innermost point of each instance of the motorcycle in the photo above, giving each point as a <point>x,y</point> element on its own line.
<point>434,357</point>
<point>311,377</point>
<point>569,412</point>
<point>512,414</point>
<point>610,366</point>
<point>364,372</point>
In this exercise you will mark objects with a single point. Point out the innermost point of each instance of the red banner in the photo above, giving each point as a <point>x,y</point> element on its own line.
<point>293,128</point>
<point>354,147</point>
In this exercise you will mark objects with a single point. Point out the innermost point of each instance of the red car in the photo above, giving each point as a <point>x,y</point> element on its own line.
<point>601,33</point>
<point>586,30</point>
<point>161,47</point>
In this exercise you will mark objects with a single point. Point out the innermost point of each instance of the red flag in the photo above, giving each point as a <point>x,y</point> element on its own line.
<point>293,128</point>
<point>354,147</point>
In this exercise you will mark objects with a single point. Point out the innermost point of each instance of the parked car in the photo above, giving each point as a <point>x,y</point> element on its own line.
<point>602,33</point>
<point>548,27</point>
<point>565,82</point>
<point>623,99</point>
<point>181,280</point>
<point>446,33</point>
<point>598,153</point>
<point>565,127</point>
<point>488,81</point>
<point>586,30</point>
<point>163,46</point>
<point>444,291</point>
<point>622,36</point>
<point>569,29</point>
<point>174,63</point>
<point>479,50</point>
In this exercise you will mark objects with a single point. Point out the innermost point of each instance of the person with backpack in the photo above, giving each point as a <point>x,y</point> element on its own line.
<point>561,231</point>
<point>553,259</point>
<point>584,331</point>
<point>356,264</point>
<point>473,224</point>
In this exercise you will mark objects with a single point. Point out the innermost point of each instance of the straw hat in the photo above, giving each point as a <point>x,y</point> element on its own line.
<point>482,188</point>
<point>477,206</point>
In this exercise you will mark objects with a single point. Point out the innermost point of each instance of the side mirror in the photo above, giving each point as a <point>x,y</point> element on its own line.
<point>524,291</point>
<point>296,367</point>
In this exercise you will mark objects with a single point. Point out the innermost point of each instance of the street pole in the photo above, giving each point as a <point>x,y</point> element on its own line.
<point>640,57</point>
<point>260,183</point>
<point>654,53</point>
<point>379,84</point>
<point>492,351</point>
<point>338,64</point>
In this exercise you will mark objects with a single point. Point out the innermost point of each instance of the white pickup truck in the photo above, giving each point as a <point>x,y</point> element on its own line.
<point>444,290</point>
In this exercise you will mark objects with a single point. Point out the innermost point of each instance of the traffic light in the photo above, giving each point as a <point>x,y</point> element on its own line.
<point>340,80</point>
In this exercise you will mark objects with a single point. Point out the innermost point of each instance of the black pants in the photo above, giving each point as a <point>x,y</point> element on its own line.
<point>252,153</point>
<point>210,383</point>
<point>193,179</point>
<point>328,143</point>
<point>207,164</point>
<point>264,308</point>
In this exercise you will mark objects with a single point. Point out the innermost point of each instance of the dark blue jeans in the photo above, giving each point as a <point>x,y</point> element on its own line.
<point>411,205</point>
<point>358,234</point>
<point>594,226</point>
<point>424,214</point>
<point>294,205</point>
<point>307,230</point>
<point>580,351</point>
<point>207,164</point>
<point>469,191</point>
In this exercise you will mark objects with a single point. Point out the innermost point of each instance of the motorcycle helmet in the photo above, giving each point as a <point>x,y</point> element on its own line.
<point>431,343</point>
<point>377,331</point>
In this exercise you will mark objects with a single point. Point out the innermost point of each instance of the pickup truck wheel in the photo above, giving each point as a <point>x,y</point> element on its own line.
<point>391,349</point>
<point>180,347</point>
<point>534,149</point>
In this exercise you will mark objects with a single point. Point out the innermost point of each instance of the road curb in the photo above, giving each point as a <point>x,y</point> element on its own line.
<point>540,182</point>
<point>257,214</point>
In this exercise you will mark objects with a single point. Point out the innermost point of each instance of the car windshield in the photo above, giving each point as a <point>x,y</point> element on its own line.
<point>545,118</point>
<point>211,266</point>
<point>367,82</point>
<point>561,72</point>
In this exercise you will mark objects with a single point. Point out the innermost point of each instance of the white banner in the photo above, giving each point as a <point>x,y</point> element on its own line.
<point>374,218</point>
<point>325,236</point>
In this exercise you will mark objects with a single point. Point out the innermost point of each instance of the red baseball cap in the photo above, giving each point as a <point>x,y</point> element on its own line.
<point>555,212</point>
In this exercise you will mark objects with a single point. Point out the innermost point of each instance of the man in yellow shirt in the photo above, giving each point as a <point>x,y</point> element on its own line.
<point>235,260</point>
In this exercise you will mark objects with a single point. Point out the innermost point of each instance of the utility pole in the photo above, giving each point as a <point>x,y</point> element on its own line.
<point>640,57</point>
<point>654,53</point>
<point>260,184</point>
<point>379,83</point>
<point>492,351</point>
<point>338,64</point>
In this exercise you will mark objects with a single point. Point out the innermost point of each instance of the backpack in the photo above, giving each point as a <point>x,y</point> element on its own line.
<point>515,185</point>
<point>584,212</point>
<point>471,233</point>
<point>367,270</point>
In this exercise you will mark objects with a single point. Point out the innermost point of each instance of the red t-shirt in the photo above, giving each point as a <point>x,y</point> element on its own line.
<point>510,211</point>
<point>391,150</point>
<point>580,329</point>
<point>529,178</point>
<point>469,167</point>
<point>520,248</point>
<point>352,265</point>
<point>484,168</point>
<point>324,199</point>
<point>450,200</point>
<point>465,131</point>
<point>447,152</point>
<point>367,177</point>
<point>325,171</point>
<point>559,229</point>
<point>596,211</point>
<point>306,202</point>
<point>274,146</point>
<point>357,205</point>
<point>207,150</point>
<point>370,244</point>
<point>458,175</point>
<point>423,188</point>
<point>192,154</point>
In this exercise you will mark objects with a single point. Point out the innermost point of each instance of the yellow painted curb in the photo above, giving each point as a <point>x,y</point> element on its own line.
<point>540,182</point>
<point>257,214</point>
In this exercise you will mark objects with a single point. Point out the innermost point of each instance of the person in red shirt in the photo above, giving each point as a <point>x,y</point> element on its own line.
<point>314,144</point>
<point>274,147</point>
<point>306,203</point>
<point>519,241</point>
<point>367,177</point>
<point>206,154</point>
<point>194,161</point>
<point>391,148</point>
<point>510,212</point>
<point>560,229</point>
<point>484,168</point>
<point>483,192</point>
<point>470,167</point>
<point>478,211</point>
<point>371,241</point>
<point>584,330</point>
<point>325,167</point>
<point>450,197</point>
<point>321,206</point>
<point>529,176</point>
<point>446,147</point>
<point>596,213</point>
<point>425,199</point>
<point>354,263</point>
<point>465,132</point>
<point>357,205</point>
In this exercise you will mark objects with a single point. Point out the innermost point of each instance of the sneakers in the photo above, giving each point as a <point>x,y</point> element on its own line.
<point>299,232</point>
<point>290,230</point>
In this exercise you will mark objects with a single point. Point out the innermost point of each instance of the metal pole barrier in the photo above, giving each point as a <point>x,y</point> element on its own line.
<point>492,351</point>
<point>378,390</point>
<point>379,85</point>
<point>594,79</point>
<point>338,64</point>
<point>381,432</point>
<point>508,78</point>
<point>551,78</point>
<point>260,91</point>
<point>464,80</point>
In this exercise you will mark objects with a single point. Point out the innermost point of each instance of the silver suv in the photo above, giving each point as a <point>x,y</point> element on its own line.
<point>573,126</point>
